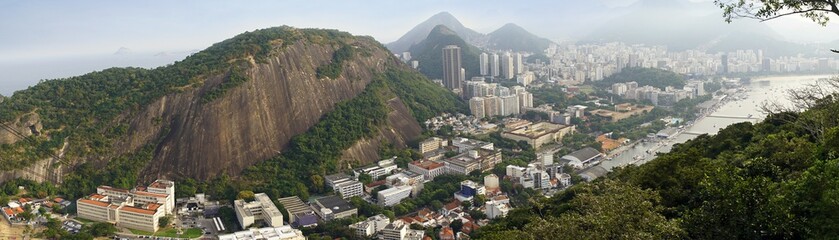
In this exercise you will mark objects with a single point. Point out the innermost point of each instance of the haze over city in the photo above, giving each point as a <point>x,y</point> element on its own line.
<point>53,39</point>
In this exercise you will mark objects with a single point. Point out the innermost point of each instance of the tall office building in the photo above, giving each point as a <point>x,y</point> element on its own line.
<point>518,64</point>
<point>724,63</point>
<point>451,68</point>
<point>507,66</point>
<point>484,61</point>
<point>494,65</point>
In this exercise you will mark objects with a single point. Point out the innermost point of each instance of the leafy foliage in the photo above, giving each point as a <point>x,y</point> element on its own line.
<point>644,76</point>
<point>333,69</point>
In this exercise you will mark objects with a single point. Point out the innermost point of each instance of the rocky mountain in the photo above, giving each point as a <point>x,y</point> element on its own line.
<point>421,31</point>
<point>515,38</point>
<point>429,53</point>
<point>222,110</point>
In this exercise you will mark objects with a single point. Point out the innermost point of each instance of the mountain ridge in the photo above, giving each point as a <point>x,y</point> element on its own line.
<point>421,31</point>
<point>219,111</point>
<point>429,53</point>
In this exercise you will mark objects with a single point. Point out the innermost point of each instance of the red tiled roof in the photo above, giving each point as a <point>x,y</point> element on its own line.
<point>153,206</point>
<point>452,205</point>
<point>94,202</point>
<point>96,196</point>
<point>18,210</point>
<point>138,210</point>
<point>113,189</point>
<point>150,194</point>
<point>375,184</point>
<point>58,200</point>
<point>8,211</point>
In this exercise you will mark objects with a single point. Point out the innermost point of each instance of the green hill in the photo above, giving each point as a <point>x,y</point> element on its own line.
<point>515,38</point>
<point>644,76</point>
<point>429,53</point>
<point>116,122</point>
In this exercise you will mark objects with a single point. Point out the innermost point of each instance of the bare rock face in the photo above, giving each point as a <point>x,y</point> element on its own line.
<point>26,125</point>
<point>400,129</point>
<point>254,121</point>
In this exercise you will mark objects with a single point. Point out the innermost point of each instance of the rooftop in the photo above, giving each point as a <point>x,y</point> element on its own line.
<point>294,205</point>
<point>335,203</point>
<point>583,154</point>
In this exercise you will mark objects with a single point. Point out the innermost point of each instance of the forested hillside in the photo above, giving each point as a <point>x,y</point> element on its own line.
<point>100,115</point>
<point>644,76</point>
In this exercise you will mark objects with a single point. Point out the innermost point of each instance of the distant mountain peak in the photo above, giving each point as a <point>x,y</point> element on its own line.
<point>421,31</point>
<point>123,51</point>
<point>516,38</point>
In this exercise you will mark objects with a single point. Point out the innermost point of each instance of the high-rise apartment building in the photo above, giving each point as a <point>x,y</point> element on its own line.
<point>484,61</point>
<point>451,68</point>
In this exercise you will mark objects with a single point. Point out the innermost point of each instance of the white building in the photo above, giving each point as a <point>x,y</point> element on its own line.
<point>494,65</point>
<point>371,226</point>
<point>491,182</point>
<point>429,169</point>
<point>139,208</point>
<point>477,108</point>
<point>261,209</point>
<point>507,69</point>
<point>394,195</point>
<point>269,233</point>
<point>484,61</point>
<point>495,209</point>
<point>394,231</point>
<point>509,105</point>
<point>518,64</point>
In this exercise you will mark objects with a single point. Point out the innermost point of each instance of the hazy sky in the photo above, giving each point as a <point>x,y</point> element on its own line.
<point>37,31</point>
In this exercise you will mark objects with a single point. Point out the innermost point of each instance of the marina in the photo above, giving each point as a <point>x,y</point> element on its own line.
<point>739,105</point>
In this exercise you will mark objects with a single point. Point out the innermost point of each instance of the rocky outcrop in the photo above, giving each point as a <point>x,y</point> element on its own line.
<point>47,170</point>
<point>252,122</point>
<point>26,125</point>
<point>399,130</point>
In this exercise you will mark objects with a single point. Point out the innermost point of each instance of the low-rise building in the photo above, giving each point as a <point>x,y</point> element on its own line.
<point>427,168</point>
<point>431,144</point>
<point>333,207</point>
<point>261,209</point>
<point>272,233</point>
<point>582,157</point>
<point>299,213</point>
<point>538,134</point>
<point>466,144</point>
<point>136,208</point>
<point>394,195</point>
<point>495,209</point>
<point>371,226</point>
<point>468,190</point>
<point>474,159</point>
<point>394,231</point>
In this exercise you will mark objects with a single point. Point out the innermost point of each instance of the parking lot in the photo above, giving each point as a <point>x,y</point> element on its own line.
<point>205,224</point>
<point>71,226</point>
